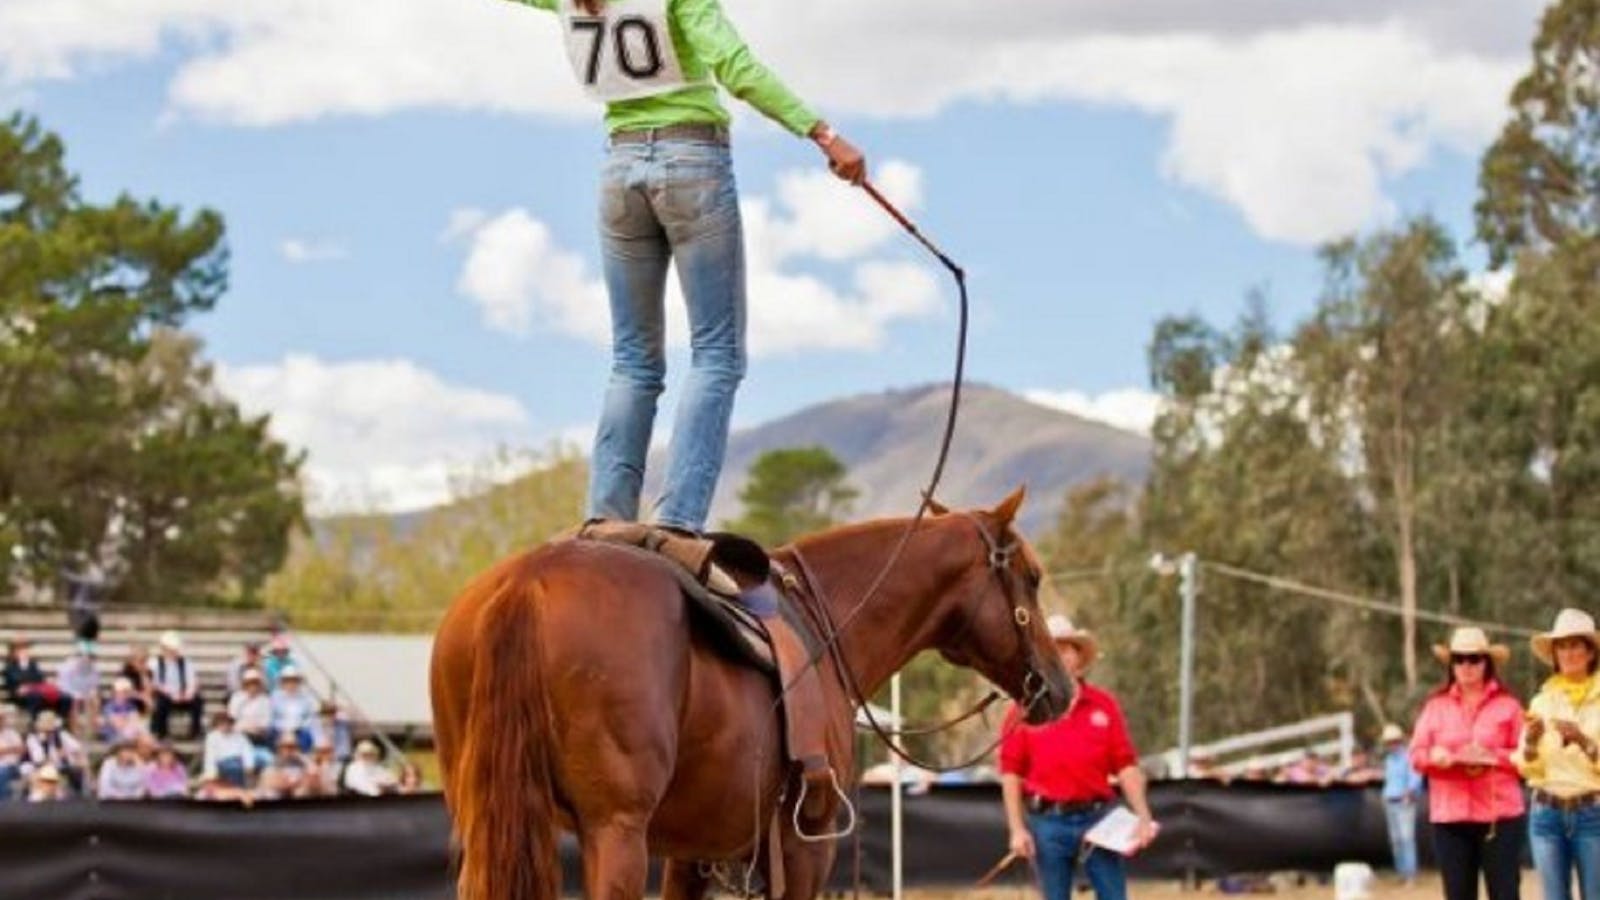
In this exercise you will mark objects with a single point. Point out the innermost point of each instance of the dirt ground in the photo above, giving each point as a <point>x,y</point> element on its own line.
<point>1385,888</point>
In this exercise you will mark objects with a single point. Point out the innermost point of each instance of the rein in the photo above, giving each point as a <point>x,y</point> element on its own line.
<point>814,601</point>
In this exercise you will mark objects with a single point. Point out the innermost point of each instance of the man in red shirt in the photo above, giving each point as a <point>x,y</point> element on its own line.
<point>1057,780</point>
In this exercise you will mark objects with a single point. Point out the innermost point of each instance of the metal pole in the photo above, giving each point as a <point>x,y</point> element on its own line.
<point>896,859</point>
<point>1188,583</point>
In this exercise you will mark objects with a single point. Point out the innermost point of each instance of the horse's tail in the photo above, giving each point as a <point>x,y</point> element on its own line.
<point>505,812</point>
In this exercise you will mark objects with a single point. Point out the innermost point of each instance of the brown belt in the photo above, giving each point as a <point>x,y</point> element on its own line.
<point>693,131</point>
<point>1566,804</point>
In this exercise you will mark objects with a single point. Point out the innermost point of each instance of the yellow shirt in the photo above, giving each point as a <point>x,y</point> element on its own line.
<point>1564,771</point>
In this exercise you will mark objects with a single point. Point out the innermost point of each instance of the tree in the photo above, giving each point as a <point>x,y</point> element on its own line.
<point>1540,180</point>
<point>1378,354</point>
<point>791,492</point>
<point>115,446</point>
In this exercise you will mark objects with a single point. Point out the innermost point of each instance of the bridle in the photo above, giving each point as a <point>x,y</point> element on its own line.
<point>807,590</point>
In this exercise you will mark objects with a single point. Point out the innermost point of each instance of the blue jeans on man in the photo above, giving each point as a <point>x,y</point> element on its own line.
<point>1059,847</point>
<point>665,201</point>
<point>1564,841</point>
<point>1401,817</point>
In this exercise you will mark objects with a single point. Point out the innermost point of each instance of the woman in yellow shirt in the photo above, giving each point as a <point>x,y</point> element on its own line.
<point>1560,758</point>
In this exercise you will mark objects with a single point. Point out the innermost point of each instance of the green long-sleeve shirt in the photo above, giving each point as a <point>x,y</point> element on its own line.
<point>705,40</point>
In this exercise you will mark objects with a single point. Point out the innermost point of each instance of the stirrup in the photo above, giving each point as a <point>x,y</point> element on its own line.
<point>850,820</point>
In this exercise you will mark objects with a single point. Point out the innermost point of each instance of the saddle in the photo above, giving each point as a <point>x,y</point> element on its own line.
<point>729,582</point>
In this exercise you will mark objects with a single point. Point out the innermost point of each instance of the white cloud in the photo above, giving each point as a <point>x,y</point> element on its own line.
<point>306,250</point>
<point>521,278</point>
<point>1131,409</point>
<point>380,433</point>
<point>1298,114</point>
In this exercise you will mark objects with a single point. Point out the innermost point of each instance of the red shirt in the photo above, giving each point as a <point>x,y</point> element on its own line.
<point>1072,759</point>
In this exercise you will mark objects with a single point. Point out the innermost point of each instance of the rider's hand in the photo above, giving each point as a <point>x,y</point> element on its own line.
<point>1022,843</point>
<point>844,160</point>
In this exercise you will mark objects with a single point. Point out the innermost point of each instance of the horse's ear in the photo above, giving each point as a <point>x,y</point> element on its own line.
<point>1006,512</point>
<point>937,508</point>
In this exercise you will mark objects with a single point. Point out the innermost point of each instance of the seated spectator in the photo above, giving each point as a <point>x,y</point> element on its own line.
<point>322,775</point>
<point>136,668</point>
<point>410,781</point>
<point>1203,765</point>
<point>123,774</point>
<point>228,757</point>
<point>121,719</point>
<point>26,684</point>
<point>278,659</point>
<point>366,774</point>
<point>79,681</point>
<point>1362,770</point>
<point>12,751</point>
<point>246,661</point>
<point>1305,768</point>
<point>251,709</point>
<point>293,708</point>
<point>177,687</point>
<point>167,775</point>
<point>49,746</point>
<point>45,786</point>
<point>288,775</point>
<point>331,726</point>
<point>216,789</point>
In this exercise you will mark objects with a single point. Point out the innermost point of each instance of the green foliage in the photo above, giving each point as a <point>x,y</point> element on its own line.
<point>791,492</point>
<point>1540,179</point>
<point>114,444</point>
<point>388,573</point>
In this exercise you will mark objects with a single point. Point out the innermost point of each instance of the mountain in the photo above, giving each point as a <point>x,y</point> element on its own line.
<point>889,441</point>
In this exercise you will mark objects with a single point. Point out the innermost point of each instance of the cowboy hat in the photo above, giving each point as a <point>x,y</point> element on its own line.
<point>47,772</point>
<point>47,721</point>
<point>1569,623</point>
<point>1391,734</point>
<point>1062,631</point>
<point>172,640</point>
<point>1469,641</point>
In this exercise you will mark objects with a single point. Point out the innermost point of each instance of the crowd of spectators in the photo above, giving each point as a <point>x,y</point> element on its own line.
<point>62,735</point>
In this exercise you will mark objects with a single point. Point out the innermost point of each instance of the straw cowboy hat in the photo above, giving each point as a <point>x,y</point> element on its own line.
<point>1468,641</point>
<point>1062,631</point>
<point>1392,733</point>
<point>47,721</point>
<point>1569,623</point>
<point>172,640</point>
<point>48,773</point>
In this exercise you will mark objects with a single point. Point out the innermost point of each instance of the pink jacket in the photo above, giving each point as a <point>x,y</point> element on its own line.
<point>1454,794</point>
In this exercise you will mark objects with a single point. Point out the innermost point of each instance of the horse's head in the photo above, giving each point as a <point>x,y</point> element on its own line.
<point>995,624</point>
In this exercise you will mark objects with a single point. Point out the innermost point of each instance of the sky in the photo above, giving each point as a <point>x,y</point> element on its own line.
<point>409,188</point>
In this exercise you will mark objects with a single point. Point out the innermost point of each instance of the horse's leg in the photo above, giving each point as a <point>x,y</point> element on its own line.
<point>616,860</point>
<point>681,879</point>
<point>806,867</point>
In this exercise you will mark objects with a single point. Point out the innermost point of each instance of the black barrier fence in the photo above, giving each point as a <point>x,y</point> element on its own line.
<point>396,848</point>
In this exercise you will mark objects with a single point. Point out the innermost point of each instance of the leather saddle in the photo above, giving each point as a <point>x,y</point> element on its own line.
<point>728,580</point>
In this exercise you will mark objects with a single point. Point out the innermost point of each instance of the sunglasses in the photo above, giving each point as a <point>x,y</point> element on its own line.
<point>1471,659</point>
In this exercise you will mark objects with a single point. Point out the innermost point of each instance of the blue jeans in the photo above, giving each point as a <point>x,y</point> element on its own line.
<point>1401,817</point>
<point>1058,843</point>
<point>669,200</point>
<point>1562,842</point>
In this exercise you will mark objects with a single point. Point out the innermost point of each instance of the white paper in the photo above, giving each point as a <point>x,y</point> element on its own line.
<point>1118,831</point>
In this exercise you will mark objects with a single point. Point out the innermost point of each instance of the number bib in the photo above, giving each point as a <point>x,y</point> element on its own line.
<point>624,53</point>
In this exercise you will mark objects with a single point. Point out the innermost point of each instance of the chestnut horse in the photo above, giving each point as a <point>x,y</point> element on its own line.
<point>570,690</point>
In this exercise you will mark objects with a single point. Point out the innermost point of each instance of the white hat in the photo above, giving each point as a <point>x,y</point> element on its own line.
<point>1469,641</point>
<point>172,640</point>
<point>47,772</point>
<point>251,674</point>
<point>1392,733</point>
<point>1569,623</point>
<point>1063,631</point>
<point>47,720</point>
<point>122,683</point>
<point>289,672</point>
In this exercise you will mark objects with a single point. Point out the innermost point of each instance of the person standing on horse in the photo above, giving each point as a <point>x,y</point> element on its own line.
<point>667,194</point>
<point>1056,779</point>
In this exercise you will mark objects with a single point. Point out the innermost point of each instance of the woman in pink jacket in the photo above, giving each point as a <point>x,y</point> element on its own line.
<point>1463,742</point>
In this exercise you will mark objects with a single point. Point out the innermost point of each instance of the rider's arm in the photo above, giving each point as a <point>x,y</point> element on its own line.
<point>714,40</point>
